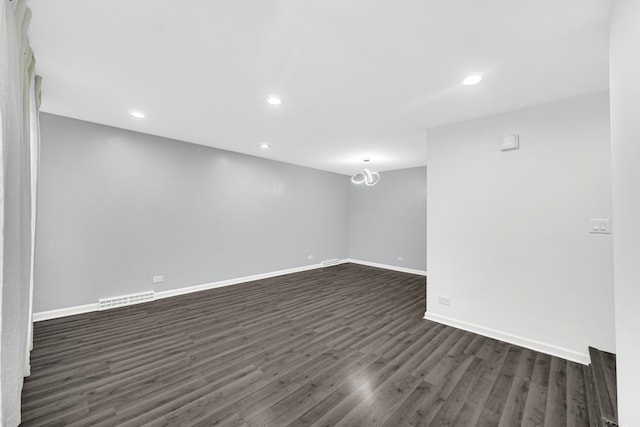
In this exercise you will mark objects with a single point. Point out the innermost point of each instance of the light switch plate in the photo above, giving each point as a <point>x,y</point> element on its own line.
<point>599,226</point>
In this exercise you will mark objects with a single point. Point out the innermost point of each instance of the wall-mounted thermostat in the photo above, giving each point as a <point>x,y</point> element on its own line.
<point>509,142</point>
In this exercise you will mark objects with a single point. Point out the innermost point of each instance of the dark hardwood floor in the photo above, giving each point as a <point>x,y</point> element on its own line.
<point>604,387</point>
<point>344,346</point>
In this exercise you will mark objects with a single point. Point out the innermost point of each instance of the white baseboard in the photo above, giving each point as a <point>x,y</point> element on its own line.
<point>235,281</point>
<point>387,267</point>
<point>488,332</point>
<point>63,312</point>
<point>542,347</point>
<point>70,311</point>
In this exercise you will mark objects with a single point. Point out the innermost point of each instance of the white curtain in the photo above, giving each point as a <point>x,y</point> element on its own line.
<point>19,138</point>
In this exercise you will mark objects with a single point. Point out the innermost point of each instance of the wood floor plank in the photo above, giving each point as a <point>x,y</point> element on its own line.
<point>301,400</point>
<point>344,345</point>
<point>513,410</point>
<point>354,383</point>
<point>410,406</point>
<point>454,393</point>
<point>594,414</point>
<point>577,412</point>
<point>603,375</point>
<point>497,400</point>
<point>488,374</point>
<point>556,409</point>
<point>261,400</point>
<point>609,366</point>
<point>535,406</point>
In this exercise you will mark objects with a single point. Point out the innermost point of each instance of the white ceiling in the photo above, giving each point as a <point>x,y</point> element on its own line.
<point>358,77</point>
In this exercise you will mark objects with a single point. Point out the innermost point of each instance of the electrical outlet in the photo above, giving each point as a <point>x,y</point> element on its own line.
<point>400,258</point>
<point>310,257</point>
<point>444,300</point>
<point>158,279</point>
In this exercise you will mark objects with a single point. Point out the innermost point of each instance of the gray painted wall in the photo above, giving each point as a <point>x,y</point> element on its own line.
<point>117,207</point>
<point>388,220</point>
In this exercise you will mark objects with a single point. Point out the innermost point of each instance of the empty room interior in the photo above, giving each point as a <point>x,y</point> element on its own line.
<point>320,213</point>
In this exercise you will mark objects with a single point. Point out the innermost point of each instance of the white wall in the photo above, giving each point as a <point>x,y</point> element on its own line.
<point>625,142</point>
<point>507,232</point>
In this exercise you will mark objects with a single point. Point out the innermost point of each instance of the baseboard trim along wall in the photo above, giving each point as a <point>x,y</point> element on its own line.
<point>542,347</point>
<point>387,267</point>
<point>87,308</point>
<point>553,350</point>
<point>229,282</point>
<point>64,312</point>
<point>80,309</point>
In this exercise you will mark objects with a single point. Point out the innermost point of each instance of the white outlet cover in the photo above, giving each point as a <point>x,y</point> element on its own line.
<point>444,300</point>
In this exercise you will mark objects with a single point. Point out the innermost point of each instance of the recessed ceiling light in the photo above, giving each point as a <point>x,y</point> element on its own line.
<point>264,146</point>
<point>471,80</point>
<point>274,100</point>
<point>137,114</point>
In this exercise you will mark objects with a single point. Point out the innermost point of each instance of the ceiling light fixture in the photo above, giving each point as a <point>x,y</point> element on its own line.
<point>369,178</point>
<point>472,80</point>
<point>137,114</point>
<point>274,100</point>
<point>264,146</point>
